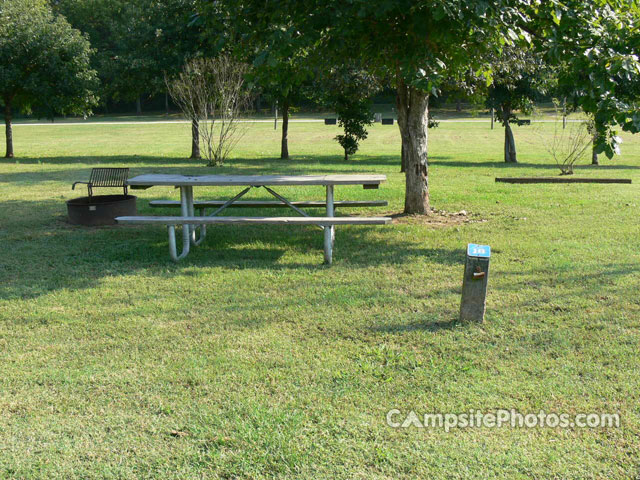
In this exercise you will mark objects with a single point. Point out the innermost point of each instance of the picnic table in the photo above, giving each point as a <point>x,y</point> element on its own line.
<point>191,222</point>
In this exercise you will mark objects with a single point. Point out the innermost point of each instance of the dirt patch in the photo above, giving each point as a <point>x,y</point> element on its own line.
<point>437,218</point>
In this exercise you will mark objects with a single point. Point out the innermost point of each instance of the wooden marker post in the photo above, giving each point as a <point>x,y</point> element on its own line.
<point>474,283</point>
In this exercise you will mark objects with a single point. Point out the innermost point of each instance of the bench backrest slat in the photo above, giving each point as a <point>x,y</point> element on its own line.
<point>109,177</point>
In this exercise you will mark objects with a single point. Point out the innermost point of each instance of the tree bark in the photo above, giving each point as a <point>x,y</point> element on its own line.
<point>403,155</point>
<point>8,129</point>
<point>594,154</point>
<point>166,103</point>
<point>138,106</point>
<point>275,115</point>
<point>509,141</point>
<point>195,139</point>
<point>413,120</point>
<point>284,148</point>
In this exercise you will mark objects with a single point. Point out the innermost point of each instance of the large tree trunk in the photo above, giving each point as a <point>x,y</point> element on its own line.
<point>138,106</point>
<point>9,131</point>
<point>284,149</point>
<point>594,154</point>
<point>413,120</point>
<point>195,139</point>
<point>509,141</point>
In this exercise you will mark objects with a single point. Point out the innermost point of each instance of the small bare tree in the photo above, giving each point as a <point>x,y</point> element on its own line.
<point>569,145</point>
<point>211,92</point>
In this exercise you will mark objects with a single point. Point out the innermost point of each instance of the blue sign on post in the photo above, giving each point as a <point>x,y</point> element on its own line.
<point>479,251</point>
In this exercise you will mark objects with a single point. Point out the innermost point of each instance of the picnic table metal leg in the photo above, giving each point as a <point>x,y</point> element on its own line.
<point>172,243</point>
<point>329,231</point>
<point>192,228</point>
<point>186,193</point>
<point>184,211</point>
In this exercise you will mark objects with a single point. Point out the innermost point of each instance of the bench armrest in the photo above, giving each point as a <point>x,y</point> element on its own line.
<point>73,187</point>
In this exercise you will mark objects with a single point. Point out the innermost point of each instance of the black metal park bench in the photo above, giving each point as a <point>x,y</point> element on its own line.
<point>106,177</point>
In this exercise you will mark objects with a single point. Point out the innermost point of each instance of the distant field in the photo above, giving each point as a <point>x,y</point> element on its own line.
<point>252,360</point>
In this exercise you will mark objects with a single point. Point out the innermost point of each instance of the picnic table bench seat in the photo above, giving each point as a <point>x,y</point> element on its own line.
<point>196,220</point>
<point>172,221</point>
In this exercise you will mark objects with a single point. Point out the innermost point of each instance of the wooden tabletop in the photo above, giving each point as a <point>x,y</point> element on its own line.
<point>152,179</point>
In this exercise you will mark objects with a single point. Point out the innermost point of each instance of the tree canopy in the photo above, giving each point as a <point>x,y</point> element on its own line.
<point>137,42</point>
<point>595,45</point>
<point>519,76</point>
<point>420,43</point>
<point>347,91</point>
<point>281,67</point>
<point>44,63</point>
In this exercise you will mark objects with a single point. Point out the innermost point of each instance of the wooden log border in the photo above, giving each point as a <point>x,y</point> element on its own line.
<point>561,180</point>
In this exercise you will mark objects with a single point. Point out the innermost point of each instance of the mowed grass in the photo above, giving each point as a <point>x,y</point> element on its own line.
<point>250,359</point>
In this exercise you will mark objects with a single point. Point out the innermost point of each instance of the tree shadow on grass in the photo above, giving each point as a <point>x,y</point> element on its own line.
<point>601,286</point>
<point>582,282</point>
<point>489,164</point>
<point>303,165</point>
<point>235,162</point>
<point>102,160</point>
<point>607,167</point>
<point>514,166</point>
<point>44,253</point>
<point>424,325</point>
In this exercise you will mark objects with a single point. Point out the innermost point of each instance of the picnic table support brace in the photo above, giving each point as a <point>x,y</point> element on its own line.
<point>226,204</point>
<point>285,201</point>
<point>329,231</point>
<point>271,191</point>
<point>288,203</point>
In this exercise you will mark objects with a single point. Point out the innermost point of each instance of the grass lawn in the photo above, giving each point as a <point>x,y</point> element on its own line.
<point>250,359</point>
